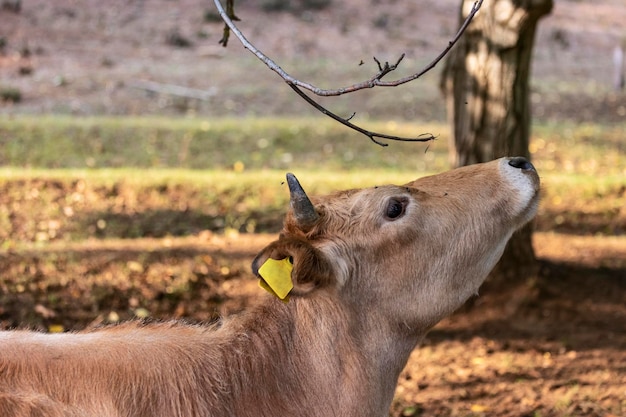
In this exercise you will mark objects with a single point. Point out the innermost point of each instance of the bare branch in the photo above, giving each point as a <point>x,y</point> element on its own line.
<point>376,80</point>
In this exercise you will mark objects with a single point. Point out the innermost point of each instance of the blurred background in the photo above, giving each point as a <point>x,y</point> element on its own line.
<point>141,169</point>
<point>98,58</point>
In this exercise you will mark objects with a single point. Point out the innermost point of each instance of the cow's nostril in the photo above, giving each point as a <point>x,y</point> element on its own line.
<point>521,163</point>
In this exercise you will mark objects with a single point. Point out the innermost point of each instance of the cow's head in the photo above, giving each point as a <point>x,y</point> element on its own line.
<point>414,252</point>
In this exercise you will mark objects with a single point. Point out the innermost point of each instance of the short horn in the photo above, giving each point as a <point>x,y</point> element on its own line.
<point>303,209</point>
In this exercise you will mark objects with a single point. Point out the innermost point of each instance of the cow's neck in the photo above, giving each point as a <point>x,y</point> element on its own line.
<point>343,364</point>
<point>386,349</point>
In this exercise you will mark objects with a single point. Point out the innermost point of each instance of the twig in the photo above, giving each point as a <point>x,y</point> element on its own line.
<point>174,90</point>
<point>230,12</point>
<point>375,80</point>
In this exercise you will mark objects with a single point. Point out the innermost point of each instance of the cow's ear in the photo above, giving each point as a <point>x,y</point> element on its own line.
<point>311,269</point>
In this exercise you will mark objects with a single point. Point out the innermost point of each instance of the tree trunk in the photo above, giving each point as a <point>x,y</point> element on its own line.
<point>485,82</point>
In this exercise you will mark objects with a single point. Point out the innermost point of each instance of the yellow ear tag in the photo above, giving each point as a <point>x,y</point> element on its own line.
<point>276,277</point>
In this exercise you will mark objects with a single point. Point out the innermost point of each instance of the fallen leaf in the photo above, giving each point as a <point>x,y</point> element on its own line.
<point>56,328</point>
<point>478,408</point>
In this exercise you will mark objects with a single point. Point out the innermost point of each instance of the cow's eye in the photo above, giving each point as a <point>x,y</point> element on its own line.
<point>395,208</point>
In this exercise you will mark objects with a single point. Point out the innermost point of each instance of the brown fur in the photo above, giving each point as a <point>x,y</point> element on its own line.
<point>366,289</point>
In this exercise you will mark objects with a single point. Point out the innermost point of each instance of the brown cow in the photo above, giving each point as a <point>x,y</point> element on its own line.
<point>373,270</point>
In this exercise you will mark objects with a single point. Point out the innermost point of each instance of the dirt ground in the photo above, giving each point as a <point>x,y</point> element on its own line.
<point>554,346</point>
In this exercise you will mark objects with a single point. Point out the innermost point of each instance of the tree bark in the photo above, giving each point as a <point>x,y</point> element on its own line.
<point>485,82</point>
